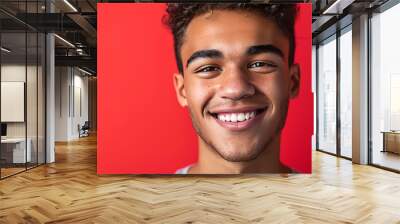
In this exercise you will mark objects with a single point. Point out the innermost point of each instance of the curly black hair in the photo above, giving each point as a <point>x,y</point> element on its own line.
<point>179,16</point>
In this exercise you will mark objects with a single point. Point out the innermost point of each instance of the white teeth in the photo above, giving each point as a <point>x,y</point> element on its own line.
<point>236,117</point>
<point>233,117</point>
<point>241,117</point>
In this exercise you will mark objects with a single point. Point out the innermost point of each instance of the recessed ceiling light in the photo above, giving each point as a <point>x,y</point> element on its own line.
<point>84,71</point>
<point>5,50</point>
<point>64,40</point>
<point>337,7</point>
<point>70,5</point>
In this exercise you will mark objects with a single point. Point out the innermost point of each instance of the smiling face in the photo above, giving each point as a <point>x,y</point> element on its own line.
<point>236,81</point>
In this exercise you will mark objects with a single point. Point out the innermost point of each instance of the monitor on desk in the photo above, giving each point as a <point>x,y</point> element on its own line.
<point>3,130</point>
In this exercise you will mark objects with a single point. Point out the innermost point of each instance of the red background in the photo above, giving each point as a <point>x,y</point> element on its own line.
<point>141,127</point>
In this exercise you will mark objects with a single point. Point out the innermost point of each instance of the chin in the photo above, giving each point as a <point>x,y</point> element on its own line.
<point>238,154</point>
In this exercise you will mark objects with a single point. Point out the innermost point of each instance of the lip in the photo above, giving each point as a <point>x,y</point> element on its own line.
<point>242,125</point>
<point>227,110</point>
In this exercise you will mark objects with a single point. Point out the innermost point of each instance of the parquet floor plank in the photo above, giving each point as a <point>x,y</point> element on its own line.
<point>70,191</point>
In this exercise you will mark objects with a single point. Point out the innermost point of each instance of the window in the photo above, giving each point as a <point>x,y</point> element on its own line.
<point>327,95</point>
<point>385,89</point>
<point>346,92</point>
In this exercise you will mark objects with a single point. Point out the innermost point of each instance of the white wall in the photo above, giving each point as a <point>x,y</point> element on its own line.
<point>16,73</point>
<point>92,92</point>
<point>80,84</point>
<point>71,93</point>
<point>61,103</point>
<point>33,127</point>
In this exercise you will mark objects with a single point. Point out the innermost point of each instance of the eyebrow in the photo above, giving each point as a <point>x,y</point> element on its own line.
<point>212,53</point>
<point>253,50</point>
<point>259,49</point>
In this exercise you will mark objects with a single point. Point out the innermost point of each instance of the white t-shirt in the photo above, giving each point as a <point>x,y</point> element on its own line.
<point>183,170</point>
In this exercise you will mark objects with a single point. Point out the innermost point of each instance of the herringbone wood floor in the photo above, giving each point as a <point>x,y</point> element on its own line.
<point>69,191</point>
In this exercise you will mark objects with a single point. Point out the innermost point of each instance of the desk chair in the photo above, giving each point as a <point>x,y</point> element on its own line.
<point>84,130</point>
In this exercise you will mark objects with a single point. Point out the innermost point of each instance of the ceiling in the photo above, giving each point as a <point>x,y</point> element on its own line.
<point>76,22</point>
<point>72,20</point>
<point>332,15</point>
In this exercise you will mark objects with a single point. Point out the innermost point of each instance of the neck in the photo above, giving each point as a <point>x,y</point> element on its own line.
<point>268,161</point>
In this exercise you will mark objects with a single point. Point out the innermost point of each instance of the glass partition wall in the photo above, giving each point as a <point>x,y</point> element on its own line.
<point>13,90</point>
<point>345,92</point>
<point>334,94</point>
<point>385,89</point>
<point>22,88</point>
<point>334,90</point>
<point>326,91</point>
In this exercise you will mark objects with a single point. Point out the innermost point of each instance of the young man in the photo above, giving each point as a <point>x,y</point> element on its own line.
<point>236,77</point>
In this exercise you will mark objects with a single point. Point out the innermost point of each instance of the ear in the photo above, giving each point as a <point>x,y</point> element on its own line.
<point>294,80</point>
<point>180,89</point>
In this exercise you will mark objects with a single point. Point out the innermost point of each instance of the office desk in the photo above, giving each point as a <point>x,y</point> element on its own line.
<point>13,150</point>
<point>391,141</point>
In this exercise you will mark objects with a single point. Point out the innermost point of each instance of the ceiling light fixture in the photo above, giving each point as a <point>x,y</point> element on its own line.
<point>5,50</point>
<point>65,41</point>
<point>337,7</point>
<point>84,71</point>
<point>70,5</point>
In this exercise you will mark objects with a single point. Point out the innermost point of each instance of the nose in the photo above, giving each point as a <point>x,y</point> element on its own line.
<point>236,85</point>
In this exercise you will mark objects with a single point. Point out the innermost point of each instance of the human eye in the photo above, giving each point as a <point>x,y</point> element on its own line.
<point>207,69</point>
<point>262,66</point>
